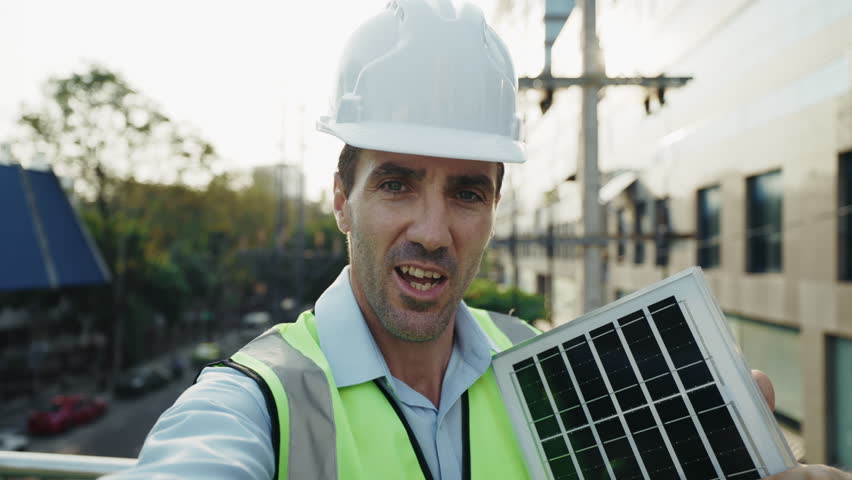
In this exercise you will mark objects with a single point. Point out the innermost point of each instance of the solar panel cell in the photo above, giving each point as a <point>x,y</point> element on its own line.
<point>630,398</point>
<point>652,450</point>
<point>547,427</point>
<point>644,348</point>
<point>592,464</point>
<point>723,436</point>
<point>555,447</point>
<point>601,408</point>
<point>639,420</point>
<point>561,387</point>
<point>533,389</point>
<point>661,387</point>
<point>705,398</point>
<point>574,418</point>
<point>614,361</point>
<point>666,302</point>
<point>695,375</point>
<point>637,315</point>
<point>677,336</point>
<point>621,459</point>
<point>690,450</point>
<point>672,409</point>
<point>581,438</point>
<point>563,468</point>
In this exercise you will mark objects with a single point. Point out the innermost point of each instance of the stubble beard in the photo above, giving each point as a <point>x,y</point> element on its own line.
<point>417,321</point>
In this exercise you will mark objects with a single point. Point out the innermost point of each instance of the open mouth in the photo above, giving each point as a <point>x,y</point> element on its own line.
<point>419,278</point>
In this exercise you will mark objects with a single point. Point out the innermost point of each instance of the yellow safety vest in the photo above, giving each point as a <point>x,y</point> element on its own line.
<point>320,431</point>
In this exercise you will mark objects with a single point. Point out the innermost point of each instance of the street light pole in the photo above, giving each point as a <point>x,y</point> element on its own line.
<point>592,279</point>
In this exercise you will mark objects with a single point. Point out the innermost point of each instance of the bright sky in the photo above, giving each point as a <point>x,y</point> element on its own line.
<point>238,71</point>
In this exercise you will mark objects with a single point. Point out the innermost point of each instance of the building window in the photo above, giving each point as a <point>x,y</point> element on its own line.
<point>844,218</point>
<point>763,223</point>
<point>621,231</point>
<point>709,226</point>
<point>775,350</point>
<point>840,421</point>
<point>662,231</point>
<point>638,230</point>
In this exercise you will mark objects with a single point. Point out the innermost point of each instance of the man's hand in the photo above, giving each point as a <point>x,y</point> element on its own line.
<point>766,387</point>
<point>802,472</point>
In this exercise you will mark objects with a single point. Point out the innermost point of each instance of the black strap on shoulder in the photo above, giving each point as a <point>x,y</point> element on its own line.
<point>465,437</point>
<point>424,467</point>
<point>418,451</point>
<point>271,406</point>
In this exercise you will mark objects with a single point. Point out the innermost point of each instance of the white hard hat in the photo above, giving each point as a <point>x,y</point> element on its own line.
<point>427,77</point>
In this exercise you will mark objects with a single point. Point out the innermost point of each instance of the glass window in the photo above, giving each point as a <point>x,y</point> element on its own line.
<point>775,350</point>
<point>661,231</point>
<point>638,230</point>
<point>844,219</point>
<point>709,226</point>
<point>840,421</point>
<point>763,220</point>
<point>621,230</point>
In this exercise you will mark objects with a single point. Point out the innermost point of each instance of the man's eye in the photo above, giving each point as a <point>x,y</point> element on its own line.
<point>469,196</point>
<point>392,186</point>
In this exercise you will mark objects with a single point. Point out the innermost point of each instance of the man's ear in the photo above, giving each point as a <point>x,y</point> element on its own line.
<point>339,204</point>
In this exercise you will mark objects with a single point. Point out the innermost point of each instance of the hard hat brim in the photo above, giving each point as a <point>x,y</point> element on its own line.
<point>427,140</point>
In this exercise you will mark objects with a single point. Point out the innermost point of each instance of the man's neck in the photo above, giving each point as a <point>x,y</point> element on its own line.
<point>421,365</point>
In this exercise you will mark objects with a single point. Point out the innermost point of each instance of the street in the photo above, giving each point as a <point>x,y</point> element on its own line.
<point>121,431</point>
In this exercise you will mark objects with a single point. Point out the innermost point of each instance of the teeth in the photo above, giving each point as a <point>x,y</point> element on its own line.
<point>419,273</point>
<point>422,286</point>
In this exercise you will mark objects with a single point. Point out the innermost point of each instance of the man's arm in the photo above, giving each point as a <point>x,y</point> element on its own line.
<point>802,472</point>
<point>218,428</point>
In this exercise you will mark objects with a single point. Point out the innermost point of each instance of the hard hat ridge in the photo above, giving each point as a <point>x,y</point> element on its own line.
<point>428,78</point>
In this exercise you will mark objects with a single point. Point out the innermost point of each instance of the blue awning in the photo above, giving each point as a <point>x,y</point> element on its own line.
<point>43,244</point>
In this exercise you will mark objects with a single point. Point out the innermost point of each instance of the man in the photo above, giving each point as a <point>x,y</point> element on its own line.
<point>389,376</point>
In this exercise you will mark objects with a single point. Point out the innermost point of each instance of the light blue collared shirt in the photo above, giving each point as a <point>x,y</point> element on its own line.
<point>185,444</point>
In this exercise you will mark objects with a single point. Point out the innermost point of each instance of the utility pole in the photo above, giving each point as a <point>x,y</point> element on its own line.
<point>300,214</point>
<point>592,278</point>
<point>592,81</point>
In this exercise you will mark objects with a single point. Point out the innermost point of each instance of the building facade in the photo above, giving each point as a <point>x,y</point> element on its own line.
<point>746,171</point>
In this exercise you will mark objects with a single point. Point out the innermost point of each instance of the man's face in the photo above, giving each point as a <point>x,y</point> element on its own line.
<point>417,228</point>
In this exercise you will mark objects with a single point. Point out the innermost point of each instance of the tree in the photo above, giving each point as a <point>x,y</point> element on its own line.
<point>97,129</point>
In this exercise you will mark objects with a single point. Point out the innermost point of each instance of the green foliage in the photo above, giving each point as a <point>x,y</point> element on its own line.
<point>98,130</point>
<point>486,294</point>
<point>174,250</point>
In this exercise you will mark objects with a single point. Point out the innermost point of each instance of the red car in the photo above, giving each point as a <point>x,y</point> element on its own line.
<point>64,412</point>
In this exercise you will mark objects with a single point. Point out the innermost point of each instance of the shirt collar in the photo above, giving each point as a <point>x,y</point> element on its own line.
<point>351,351</point>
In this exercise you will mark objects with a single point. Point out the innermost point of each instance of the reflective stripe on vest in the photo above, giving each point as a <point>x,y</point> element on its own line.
<point>289,354</point>
<point>313,456</point>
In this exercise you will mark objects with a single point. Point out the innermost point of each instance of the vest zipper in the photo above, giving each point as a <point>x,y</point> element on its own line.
<point>424,467</point>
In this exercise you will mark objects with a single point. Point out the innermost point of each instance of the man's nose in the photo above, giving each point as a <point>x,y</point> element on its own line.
<point>430,226</point>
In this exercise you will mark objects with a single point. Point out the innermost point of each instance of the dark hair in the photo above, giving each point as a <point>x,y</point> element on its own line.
<point>348,160</point>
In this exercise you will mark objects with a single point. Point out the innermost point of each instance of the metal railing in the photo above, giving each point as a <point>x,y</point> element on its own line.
<point>31,465</point>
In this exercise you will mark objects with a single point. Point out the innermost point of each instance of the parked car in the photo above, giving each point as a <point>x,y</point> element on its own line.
<point>64,412</point>
<point>142,380</point>
<point>205,353</point>
<point>13,441</point>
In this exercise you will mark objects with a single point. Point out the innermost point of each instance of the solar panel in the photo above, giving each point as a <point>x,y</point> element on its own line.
<point>650,387</point>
